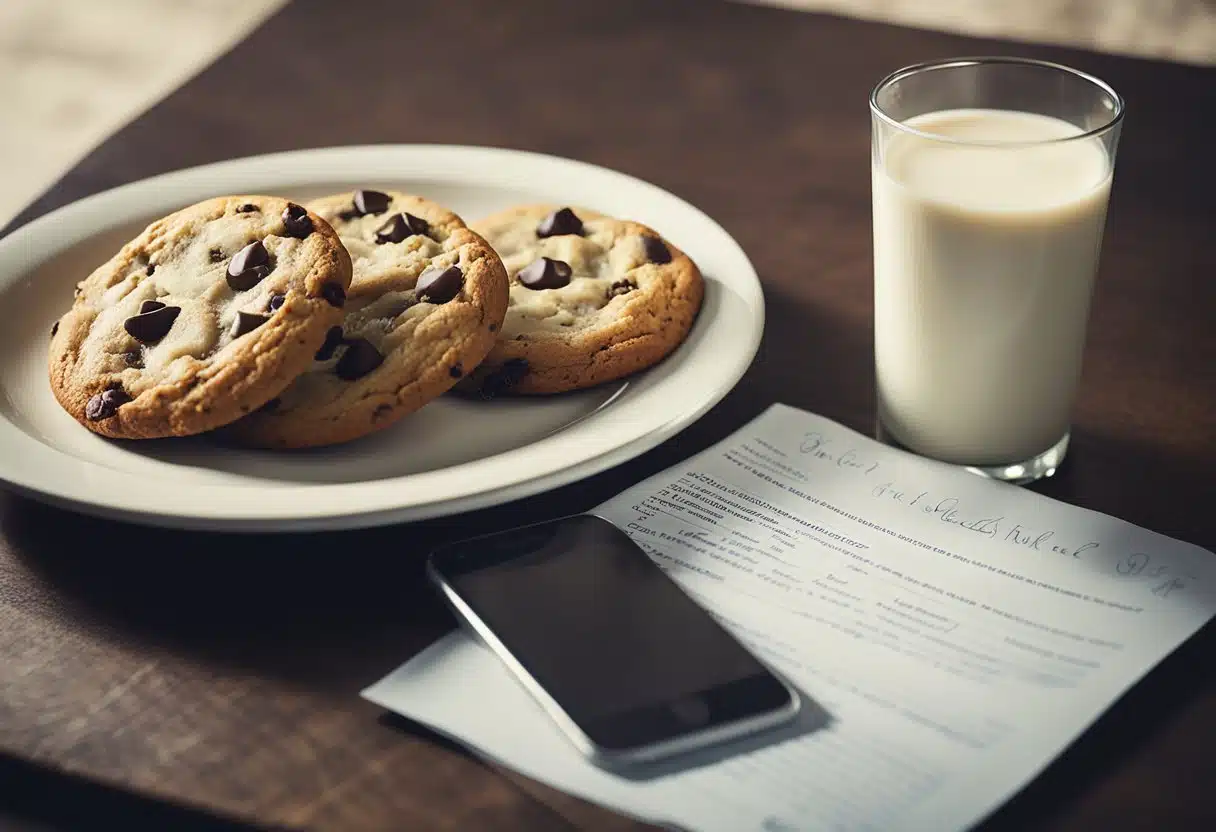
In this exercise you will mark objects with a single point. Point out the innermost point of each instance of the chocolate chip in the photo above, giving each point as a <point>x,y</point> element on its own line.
<point>54,329</point>
<point>621,287</point>
<point>76,292</point>
<point>381,411</point>
<point>248,266</point>
<point>333,340</point>
<point>216,255</point>
<point>545,273</point>
<point>400,227</point>
<point>296,221</point>
<point>276,301</point>
<point>656,252</point>
<point>105,404</point>
<point>504,378</point>
<point>334,294</point>
<point>247,208</point>
<point>371,202</point>
<point>359,359</point>
<point>150,327</point>
<point>456,370</point>
<point>389,310</point>
<point>393,231</point>
<point>134,358</point>
<point>247,322</point>
<point>417,224</point>
<point>439,285</point>
<point>150,306</point>
<point>562,221</point>
<point>151,270</point>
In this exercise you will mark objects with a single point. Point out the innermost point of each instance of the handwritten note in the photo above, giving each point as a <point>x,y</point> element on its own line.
<point>960,632</point>
<point>1028,534</point>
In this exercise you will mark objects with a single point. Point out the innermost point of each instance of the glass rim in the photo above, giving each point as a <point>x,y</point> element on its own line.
<point>877,111</point>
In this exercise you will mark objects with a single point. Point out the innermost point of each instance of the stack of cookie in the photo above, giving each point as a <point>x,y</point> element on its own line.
<point>291,326</point>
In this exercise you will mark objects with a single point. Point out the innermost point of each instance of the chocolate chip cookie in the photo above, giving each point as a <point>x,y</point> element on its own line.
<point>593,299</point>
<point>207,315</point>
<point>424,307</point>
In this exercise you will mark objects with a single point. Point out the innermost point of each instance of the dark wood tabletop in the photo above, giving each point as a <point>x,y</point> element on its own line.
<point>222,672</point>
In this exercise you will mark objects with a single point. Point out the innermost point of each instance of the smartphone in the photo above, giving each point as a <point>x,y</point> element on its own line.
<point>628,665</point>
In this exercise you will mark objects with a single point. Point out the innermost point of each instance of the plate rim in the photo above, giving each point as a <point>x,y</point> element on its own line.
<point>83,218</point>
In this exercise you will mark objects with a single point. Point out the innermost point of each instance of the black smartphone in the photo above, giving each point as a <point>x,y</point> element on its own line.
<point>628,665</point>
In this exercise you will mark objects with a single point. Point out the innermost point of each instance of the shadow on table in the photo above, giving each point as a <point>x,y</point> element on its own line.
<point>37,799</point>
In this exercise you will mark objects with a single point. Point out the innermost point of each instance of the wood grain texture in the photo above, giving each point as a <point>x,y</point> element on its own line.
<point>223,671</point>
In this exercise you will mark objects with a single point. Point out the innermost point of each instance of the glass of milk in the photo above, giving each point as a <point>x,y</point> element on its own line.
<point>991,178</point>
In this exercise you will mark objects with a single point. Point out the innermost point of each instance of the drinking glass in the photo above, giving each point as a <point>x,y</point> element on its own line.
<point>991,178</point>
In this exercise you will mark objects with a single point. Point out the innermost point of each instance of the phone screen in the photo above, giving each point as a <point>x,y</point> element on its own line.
<point>611,638</point>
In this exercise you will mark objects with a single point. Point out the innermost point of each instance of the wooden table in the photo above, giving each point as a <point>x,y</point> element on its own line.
<point>223,671</point>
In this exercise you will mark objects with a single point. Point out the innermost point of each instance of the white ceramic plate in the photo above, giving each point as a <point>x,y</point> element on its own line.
<point>453,455</point>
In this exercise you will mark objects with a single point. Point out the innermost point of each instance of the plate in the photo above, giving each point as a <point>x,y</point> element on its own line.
<point>452,455</point>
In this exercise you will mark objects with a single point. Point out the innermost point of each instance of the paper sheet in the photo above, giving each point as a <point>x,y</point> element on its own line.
<point>960,633</point>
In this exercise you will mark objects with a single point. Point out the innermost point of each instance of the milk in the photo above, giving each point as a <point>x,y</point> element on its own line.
<point>983,268</point>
